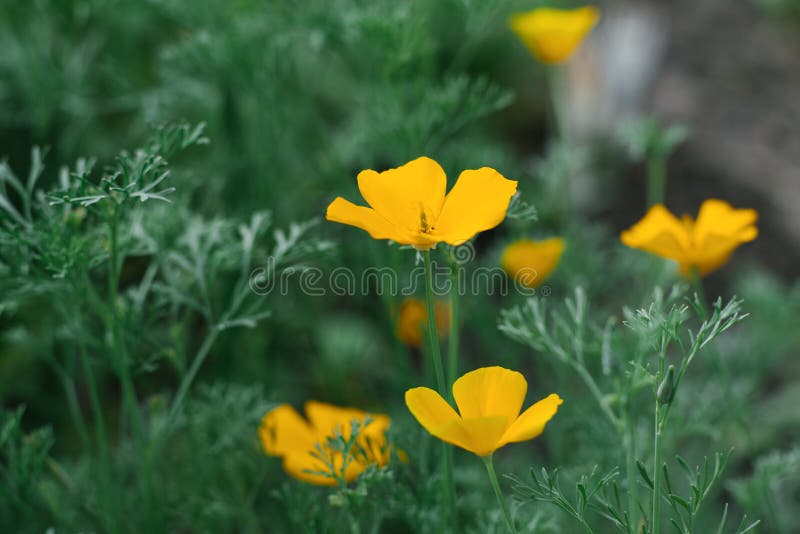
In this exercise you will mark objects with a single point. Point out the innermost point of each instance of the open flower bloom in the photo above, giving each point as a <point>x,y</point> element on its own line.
<point>530,262</point>
<point>553,35</point>
<point>408,204</point>
<point>412,321</point>
<point>303,444</point>
<point>489,401</point>
<point>704,244</point>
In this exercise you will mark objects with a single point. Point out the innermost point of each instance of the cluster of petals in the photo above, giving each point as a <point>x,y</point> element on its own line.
<point>303,443</point>
<point>703,244</point>
<point>408,204</point>
<point>489,401</point>
<point>529,262</point>
<point>553,35</point>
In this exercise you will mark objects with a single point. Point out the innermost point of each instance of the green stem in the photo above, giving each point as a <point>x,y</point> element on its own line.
<point>129,401</point>
<point>558,109</point>
<point>432,331</point>
<point>448,488</point>
<point>630,468</point>
<point>452,343</point>
<point>487,461</point>
<point>658,428</point>
<point>188,379</point>
<point>697,285</point>
<point>656,180</point>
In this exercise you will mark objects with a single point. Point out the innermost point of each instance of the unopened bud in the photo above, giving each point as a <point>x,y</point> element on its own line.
<point>667,387</point>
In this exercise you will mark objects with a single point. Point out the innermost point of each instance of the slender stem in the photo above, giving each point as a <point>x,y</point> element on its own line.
<point>452,342</point>
<point>111,493</point>
<point>129,401</point>
<point>555,87</point>
<point>697,285</point>
<point>558,110</point>
<point>656,180</point>
<point>487,461</point>
<point>432,331</point>
<point>448,488</point>
<point>657,470</point>
<point>189,377</point>
<point>73,406</point>
<point>630,468</point>
<point>596,393</point>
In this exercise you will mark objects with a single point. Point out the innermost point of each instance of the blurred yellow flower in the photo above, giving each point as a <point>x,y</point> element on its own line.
<point>303,443</point>
<point>489,401</point>
<point>705,244</point>
<point>552,35</point>
<point>408,204</point>
<point>412,320</point>
<point>531,262</point>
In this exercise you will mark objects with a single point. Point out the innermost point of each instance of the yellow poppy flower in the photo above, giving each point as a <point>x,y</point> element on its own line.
<point>704,244</point>
<point>412,320</point>
<point>408,204</point>
<point>553,35</point>
<point>301,443</point>
<point>531,262</point>
<point>489,401</point>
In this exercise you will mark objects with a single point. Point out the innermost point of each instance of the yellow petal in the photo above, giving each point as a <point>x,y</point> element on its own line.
<point>553,35</point>
<point>490,391</point>
<point>480,435</point>
<point>530,262</point>
<point>704,263</point>
<point>283,430</point>
<point>409,196</point>
<point>429,408</point>
<point>345,212</point>
<point>720,227</point>
<point>326,419</point>
<point>477,202</point>
<point>532,421</point>
<point>306,467</point>
<point>659,232</point>
<point>298,465</point>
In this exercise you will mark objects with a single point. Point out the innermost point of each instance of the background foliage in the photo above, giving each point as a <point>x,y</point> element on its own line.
<point>156,152</point>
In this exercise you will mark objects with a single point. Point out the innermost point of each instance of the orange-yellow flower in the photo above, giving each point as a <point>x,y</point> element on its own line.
<point>303,443</point>
<point>408,204</point>
<point>704,244</point>
<point>489,401</point>
<point>412,321</point>
<point>553,35</point>
<point>531,262</point>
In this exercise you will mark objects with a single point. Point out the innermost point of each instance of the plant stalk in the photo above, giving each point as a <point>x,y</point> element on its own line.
<point>487,461</point>
<point>656,180</point>
<point>448,488</point>
<point>658,427</point>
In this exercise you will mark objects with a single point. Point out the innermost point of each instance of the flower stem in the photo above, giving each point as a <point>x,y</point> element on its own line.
<point>487,461</point>
<point>438,368</point>
<point>629,442</point>
<point>657,470</point>
<point>697,286</point>
<point>448,488</point>
<point>656,180</point>
<point>452,342</point>
<point>558,109</point>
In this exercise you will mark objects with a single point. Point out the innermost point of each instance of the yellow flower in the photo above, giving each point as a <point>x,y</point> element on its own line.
<point>412,321</point>
<point>552,35</point>
<point>489,400</point>
<point>303,443</point>
<point>409,206</point>
<point>705,244</point>
<point>531,262</point>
